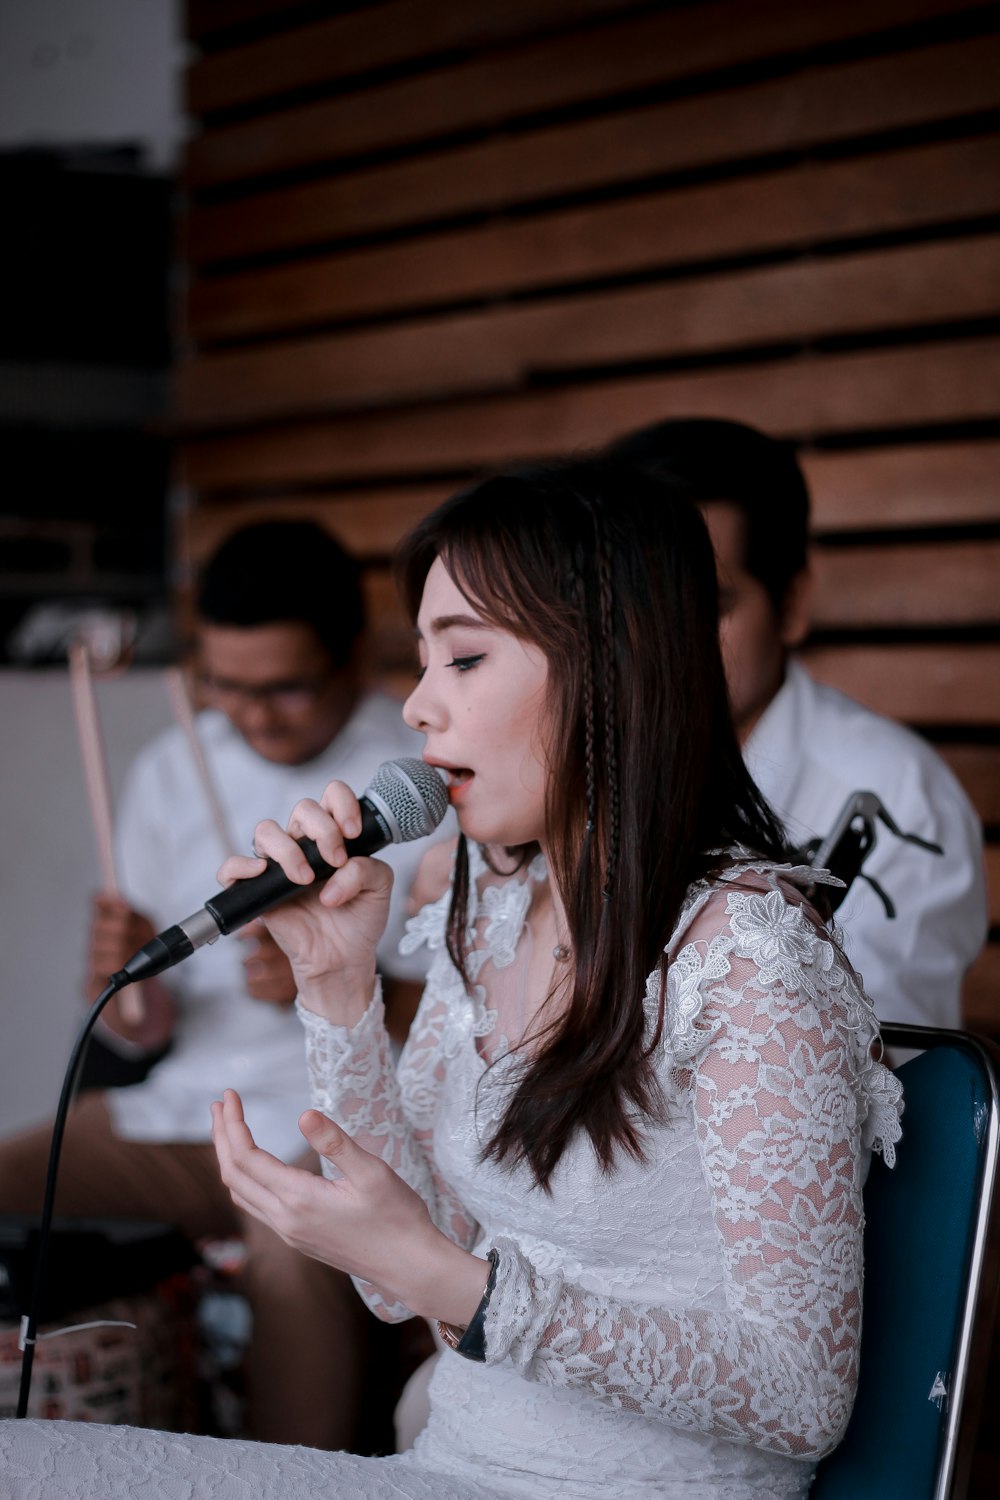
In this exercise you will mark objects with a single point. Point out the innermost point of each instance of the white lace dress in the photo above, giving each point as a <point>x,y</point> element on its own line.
<point>687,1326</point>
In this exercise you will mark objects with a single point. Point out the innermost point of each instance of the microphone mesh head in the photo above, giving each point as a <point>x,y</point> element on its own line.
<point>411,796</point>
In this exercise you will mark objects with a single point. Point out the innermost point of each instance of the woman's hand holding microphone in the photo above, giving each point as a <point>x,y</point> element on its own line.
<point>331,932</point>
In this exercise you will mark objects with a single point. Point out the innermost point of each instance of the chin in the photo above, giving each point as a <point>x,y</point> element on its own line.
<point>504,838</point>
<point>279,753</point>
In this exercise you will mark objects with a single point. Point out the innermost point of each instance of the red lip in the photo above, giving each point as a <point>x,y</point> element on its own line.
<point>456,787</point>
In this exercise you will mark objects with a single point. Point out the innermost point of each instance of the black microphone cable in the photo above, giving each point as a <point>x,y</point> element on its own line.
<point>406,799</point>
<point>29,1323</point>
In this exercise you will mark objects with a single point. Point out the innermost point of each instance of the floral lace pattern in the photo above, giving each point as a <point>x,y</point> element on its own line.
<point>714,1291</point>
<point>687,1325</point>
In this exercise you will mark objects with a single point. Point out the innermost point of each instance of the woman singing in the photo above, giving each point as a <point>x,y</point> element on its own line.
<point>621,1159</point>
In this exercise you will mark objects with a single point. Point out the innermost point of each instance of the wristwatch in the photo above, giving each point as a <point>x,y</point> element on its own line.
<point>470,1341</point>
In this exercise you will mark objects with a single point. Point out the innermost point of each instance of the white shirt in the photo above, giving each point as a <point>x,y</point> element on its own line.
<point>812,748</point>
<point>168,854</point>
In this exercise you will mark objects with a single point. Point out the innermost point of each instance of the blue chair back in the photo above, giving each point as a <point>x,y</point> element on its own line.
<point>930,1282</point>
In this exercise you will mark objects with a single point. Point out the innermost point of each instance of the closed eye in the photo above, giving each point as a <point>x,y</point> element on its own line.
<point>466,663</point>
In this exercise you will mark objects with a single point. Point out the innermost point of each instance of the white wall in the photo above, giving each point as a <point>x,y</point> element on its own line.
<point>48,869</point>
<point>91,72</point>
<point>72,73</point>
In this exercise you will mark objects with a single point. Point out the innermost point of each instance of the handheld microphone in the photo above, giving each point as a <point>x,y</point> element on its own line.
<point>406,799</point>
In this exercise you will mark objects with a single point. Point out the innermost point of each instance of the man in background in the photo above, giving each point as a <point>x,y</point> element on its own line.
<point>279,653</point>
<point>809,747</point>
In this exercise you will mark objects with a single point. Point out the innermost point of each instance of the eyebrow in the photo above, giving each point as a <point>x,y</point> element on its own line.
<point>445,622</point>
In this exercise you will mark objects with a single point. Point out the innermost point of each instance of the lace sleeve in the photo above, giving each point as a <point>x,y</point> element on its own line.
<point>353,1079</point>
<point>774,1077</point>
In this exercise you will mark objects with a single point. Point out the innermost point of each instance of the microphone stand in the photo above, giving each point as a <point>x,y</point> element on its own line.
<point>847,846</point>
<point>29,1323</point>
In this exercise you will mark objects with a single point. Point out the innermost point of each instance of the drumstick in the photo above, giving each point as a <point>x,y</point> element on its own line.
<point>98,795</point>
<point>180,698</point>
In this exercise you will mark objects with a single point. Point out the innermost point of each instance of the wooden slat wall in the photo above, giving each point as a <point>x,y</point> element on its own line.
<point>422,238</point>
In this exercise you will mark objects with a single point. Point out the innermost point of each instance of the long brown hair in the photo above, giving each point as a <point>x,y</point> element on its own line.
<point>611,575</point>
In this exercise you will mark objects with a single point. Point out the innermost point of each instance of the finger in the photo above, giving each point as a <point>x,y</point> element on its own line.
<point>312,820</point>
<point>234,1146</point>
<point>343,806</point>
<point>240,867</point>
<point>260,1177</point>
<point>117,920</point>
<point>329,1140</point>
<point>216,1129</point>
<point>107,904</point>
<point>110,929</point>
<point>357,876</point>
<point>242,1188</point>
<point>271,841</point>
<point>282,845</point>
<point>112,933</point>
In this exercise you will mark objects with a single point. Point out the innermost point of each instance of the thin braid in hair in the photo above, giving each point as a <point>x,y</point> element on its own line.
<point>580,591</point>
<point>606,602</point>
<point>611,575</point>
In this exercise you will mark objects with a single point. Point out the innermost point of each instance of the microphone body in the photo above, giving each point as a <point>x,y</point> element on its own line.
<point>406,799</point>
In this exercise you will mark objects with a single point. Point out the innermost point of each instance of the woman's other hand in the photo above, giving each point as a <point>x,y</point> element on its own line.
<point>366,1221</point>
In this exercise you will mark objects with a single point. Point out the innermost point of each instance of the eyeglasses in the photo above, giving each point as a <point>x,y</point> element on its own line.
<point>289,696</point>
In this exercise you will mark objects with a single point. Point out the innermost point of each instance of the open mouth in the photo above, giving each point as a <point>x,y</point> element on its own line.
<point>457,778</point>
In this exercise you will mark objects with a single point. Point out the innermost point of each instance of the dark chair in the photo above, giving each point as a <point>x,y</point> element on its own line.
<point>932,1264</point>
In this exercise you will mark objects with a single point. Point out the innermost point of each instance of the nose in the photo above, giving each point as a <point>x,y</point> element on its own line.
<point>418,710</point>
<point>254,715</point>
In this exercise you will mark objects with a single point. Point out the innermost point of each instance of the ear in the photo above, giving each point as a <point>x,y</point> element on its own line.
<point>796,610</point>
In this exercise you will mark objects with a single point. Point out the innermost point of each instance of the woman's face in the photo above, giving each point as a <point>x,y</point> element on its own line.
<point>481,703</point>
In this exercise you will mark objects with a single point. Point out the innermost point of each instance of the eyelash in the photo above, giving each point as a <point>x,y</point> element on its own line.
<point>460,663</point>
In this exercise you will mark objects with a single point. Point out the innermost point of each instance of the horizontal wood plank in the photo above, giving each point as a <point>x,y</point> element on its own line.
<point>205,18</point>
<point>369,38</point>
<point>922,484</point>
<point>919,684</point>
<point>369,523</point>
<point>926,484</point>
<point>799,112</point>
<point>925,584</point>
<point>799,398</point>
<point>516,82</point>
<point>800,207</point>
<point>978,769</point>
<point>502,348</point>
<point>981,1000</point>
